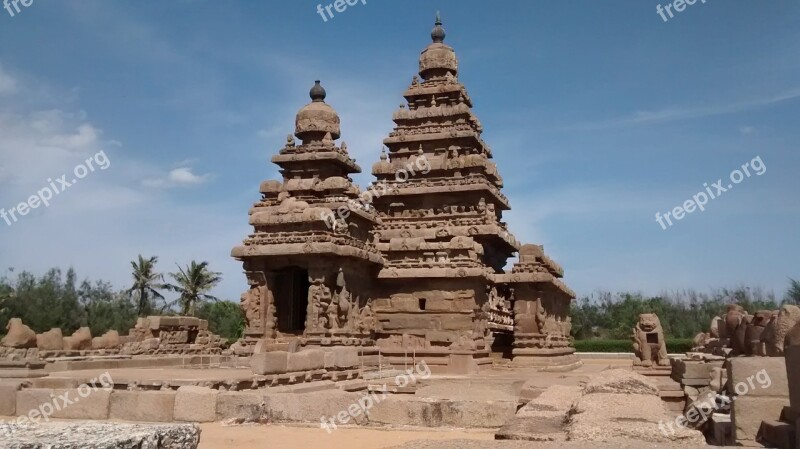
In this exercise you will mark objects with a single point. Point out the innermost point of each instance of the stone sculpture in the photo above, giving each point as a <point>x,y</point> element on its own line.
<point>18,335</point>
<point>648,341</point>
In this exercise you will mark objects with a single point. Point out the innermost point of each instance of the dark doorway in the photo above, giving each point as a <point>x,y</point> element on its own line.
<point>291,298</point>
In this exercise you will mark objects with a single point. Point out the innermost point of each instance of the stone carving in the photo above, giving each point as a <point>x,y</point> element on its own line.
<point>81,339</point>
<point>753,344</point>
<point>52,340</point>
<point>788,316</point>
<point>320,307</point>
<point>648,341</point>
<point>18,335</point>
<point>251,305</point>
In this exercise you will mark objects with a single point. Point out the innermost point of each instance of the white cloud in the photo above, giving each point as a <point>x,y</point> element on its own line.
<point>8,85</point>
<point>179,177</point>
<point>690,112</point>
<point>184,175</point>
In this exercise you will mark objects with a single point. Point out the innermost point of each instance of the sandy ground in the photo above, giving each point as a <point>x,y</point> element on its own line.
<point>218,436</point>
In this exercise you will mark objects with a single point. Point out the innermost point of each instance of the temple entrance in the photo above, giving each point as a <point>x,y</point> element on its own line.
<point>291,298</point>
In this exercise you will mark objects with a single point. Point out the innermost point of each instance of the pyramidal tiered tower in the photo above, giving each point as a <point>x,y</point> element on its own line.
<point>414,265</point>
<point>309,271</point>
<point>442,289</point>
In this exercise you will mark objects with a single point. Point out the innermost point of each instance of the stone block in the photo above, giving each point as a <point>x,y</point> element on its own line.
<point>275,362</point>
<point>308,360</point>
<point>797,433</point>
<point>196,404</point>
<point>777,434</point>
<point>405,303</point>
<point>758,376</point>
<point>408,321</point>
<point>792,359</point>
<point>342,358</point>
<point>462,364</point>
<point>245,406</point>
<point>439,305</point>
<point>747,413</point>
<point>310,407</point>
<point>145,406</point>
<point>460,321</point>
<point>81,403</point>
<point>422,412</point>
<point>8,397</point>
<point>723,433</point>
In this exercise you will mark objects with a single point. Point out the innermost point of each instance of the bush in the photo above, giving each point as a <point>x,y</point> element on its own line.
<point>224,319</point>
<point>604,345</point>
<point>674,345</point>
<point>679,345</point>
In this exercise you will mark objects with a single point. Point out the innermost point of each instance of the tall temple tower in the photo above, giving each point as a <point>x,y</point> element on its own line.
<point>442,290</point>
<point>415,265</point>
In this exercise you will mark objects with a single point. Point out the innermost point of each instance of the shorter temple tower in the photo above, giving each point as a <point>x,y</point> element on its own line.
<point>309,272</point>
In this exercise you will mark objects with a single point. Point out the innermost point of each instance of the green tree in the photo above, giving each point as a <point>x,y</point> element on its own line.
<point>793,295</point>
<point>44,303</point>
<point>146,282</point>
<point>107,309</point>
<point>192,284</point>
<point>225,318</point>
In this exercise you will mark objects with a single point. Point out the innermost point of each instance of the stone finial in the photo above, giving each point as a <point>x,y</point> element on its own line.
<point>438,34</point>
<point>317,92</point>
<point>384,157</point>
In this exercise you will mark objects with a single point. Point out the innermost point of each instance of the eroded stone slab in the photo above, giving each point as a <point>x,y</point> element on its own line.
<point>99,436</point>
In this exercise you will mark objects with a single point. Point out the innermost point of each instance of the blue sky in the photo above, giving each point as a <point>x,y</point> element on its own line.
<point>599,114</point>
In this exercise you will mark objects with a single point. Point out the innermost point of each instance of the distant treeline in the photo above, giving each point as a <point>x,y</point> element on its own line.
<point>60,300</point>
<point>683,314</point>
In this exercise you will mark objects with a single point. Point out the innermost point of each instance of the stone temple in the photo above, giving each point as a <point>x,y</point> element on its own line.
<point>413,268</point>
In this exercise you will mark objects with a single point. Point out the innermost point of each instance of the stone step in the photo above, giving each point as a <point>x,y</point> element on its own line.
<point>778,434</point>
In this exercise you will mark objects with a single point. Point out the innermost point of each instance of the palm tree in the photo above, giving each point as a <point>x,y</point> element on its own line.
<point>146,282</point>
<point>793,295</point>
<point>192,283</point>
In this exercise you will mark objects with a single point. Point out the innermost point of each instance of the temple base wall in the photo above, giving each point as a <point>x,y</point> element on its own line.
<point>549,359</point>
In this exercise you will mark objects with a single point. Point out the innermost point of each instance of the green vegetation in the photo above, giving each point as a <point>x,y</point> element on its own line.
<point>674,345</point>
<point>192,284</point>
<point>610,316</point>
<point>146,283</point>
<point>59,300</point>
